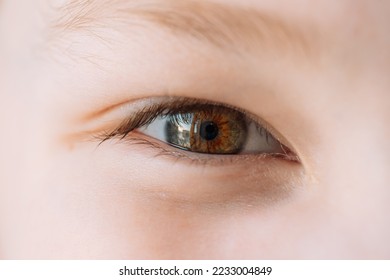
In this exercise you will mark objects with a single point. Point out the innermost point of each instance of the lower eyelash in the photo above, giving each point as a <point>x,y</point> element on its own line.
<point>165,150</point>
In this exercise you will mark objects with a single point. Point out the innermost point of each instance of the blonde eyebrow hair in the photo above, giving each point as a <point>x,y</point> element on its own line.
<point>224,26</point>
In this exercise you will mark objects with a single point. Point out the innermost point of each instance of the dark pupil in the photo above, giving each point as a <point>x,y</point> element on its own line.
<point>208,130</point>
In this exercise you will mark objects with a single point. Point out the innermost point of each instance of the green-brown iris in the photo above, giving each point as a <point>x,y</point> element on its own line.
<point>215,130</point>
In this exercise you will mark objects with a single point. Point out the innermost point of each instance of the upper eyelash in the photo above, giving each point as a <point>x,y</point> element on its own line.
<point>176,108</point>
<point>181,105</point>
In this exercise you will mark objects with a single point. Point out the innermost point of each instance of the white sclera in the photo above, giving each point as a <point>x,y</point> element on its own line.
<point>155,129</point>
<point>258,141</point>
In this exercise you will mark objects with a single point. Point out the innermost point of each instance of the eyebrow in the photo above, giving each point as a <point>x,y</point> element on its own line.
<point>224,26</point>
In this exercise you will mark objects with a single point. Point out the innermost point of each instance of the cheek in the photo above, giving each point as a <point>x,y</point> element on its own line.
<point>96,204</point>
<point>103,203</point>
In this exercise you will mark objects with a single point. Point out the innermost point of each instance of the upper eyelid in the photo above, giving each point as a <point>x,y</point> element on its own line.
<point>163,106</point>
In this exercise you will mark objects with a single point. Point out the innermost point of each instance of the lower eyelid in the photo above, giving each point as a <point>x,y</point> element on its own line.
<point>162,149</point>
<point>215,181</point>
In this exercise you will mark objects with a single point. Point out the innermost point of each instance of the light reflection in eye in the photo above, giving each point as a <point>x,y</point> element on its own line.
<point>213,130</point>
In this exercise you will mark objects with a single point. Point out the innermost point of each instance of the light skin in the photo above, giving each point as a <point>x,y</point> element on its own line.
<point>315,73</point>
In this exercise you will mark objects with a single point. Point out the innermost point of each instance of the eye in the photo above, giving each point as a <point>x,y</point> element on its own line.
<point>213,129</point>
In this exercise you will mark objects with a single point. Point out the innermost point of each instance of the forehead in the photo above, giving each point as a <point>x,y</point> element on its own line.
<point>361,20</point>
<point>321,11</point>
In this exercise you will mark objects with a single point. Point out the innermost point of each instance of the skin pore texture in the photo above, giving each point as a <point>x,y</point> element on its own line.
<point>315,73</point>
